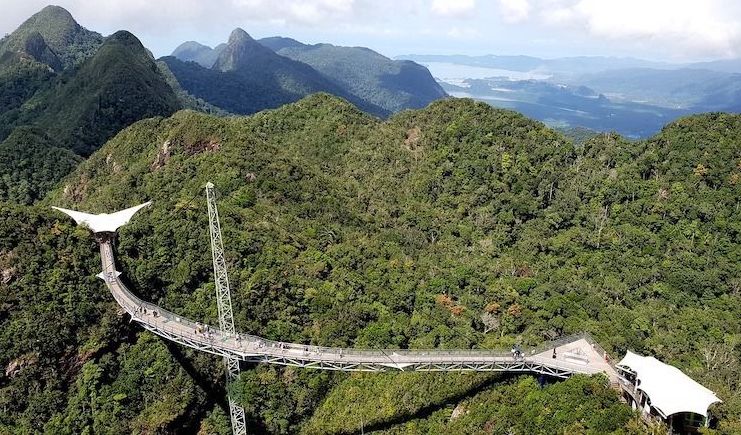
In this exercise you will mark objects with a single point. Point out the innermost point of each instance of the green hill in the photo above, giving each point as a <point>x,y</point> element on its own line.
<point>452,227</point>
<point>32,59</point>
<point>247,78</point>
<point>392,84</point>
<point>30,165</point>
<point>191,51</point>
<point>68,41</point>
<point>119,85</point>
<point>77,108</point>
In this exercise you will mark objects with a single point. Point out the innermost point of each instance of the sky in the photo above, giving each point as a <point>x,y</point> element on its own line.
<point>667,30</point>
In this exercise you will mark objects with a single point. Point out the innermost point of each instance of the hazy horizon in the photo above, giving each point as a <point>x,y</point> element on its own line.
<point>678,31</point>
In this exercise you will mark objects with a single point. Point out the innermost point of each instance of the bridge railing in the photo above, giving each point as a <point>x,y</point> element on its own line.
<point>376,353</point>
<point>543,347</point>
<point>596,346</point>
<point>165,319</point>
<point>135,305</point>
<point>241,342</point>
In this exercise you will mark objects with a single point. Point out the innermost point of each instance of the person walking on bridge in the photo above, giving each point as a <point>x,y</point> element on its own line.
<point>516,352</point>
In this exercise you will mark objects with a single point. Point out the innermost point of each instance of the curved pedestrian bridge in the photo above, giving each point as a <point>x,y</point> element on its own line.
<point>576,354</point>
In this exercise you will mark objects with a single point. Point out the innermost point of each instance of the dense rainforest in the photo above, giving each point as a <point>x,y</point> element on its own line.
<point>64,91</point>
<point>75,89</point>
<point>454,226</point>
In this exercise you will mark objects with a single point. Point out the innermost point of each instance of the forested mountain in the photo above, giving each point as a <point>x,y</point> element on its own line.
<point>82,108</point>
<point>68,83</point>
<point>373,82</point>
<point>67,87</point>
<point>203,55</point>
<point>31,163</point>
<point>119,85</point>
<point>392,84</point>
<point>248,77</point>
<point>34,54</point>
<point>456,226</point>
<point>66,41</point>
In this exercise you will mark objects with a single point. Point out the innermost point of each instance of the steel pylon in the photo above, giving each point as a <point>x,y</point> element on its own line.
<point>224,301</point>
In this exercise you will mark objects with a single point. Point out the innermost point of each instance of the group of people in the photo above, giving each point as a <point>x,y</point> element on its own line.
<point>203,330</point>
<point>518,355</point>
<point>143,310</point>
<point>517,352</point>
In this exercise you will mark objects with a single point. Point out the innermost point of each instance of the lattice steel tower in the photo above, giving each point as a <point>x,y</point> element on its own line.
<point>224,300</point>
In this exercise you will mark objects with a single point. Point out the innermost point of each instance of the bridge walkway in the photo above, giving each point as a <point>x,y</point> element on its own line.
<point>577,354</point>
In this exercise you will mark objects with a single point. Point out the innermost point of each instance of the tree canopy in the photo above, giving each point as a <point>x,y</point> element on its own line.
<point>456,226</point>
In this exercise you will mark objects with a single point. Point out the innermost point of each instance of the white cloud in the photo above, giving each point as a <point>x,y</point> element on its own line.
<point>313,12</point>
<point>463,33</point>
<point>453,8</point>
<point>514,10</point>
<point>682,29</point>
<point>161,15</point>
<point>690,27</point>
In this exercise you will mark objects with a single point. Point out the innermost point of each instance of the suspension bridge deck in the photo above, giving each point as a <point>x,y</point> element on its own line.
<point>577,354</point>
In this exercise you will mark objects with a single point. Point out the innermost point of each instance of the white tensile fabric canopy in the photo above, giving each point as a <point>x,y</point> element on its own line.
<point>670,390</point>
<point>104,222</point>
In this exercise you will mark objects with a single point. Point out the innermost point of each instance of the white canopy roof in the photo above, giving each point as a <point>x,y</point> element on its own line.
<point>670,390</point>
<point>103,222</point>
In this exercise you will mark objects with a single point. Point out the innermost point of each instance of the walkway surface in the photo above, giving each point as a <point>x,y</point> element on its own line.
<point>576,354</point>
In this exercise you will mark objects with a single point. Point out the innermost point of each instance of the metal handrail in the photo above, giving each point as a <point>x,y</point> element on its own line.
<point>247,344</point>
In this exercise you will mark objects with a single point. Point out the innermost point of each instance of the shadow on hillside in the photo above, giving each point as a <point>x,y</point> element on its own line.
<point>189,422</point>
<point>430,409</point>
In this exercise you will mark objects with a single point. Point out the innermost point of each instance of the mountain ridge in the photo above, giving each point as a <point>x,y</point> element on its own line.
<point>393,85</point>
<point>44,113</point>
<point>68,40</point>
<point>366,78</point>
<point>248,77</point>
<point>119,85</point>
